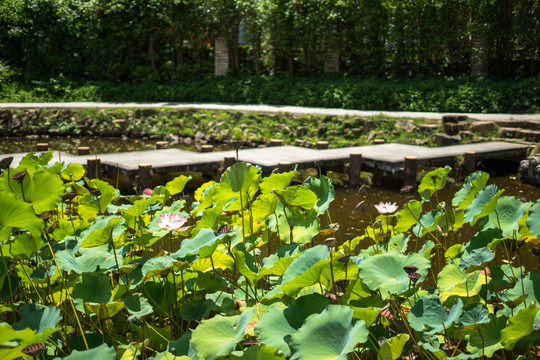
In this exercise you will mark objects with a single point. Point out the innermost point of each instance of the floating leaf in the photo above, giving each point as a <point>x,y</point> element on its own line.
<point>483,205</point>
<point>385,271</point>
<point>429,315</point>
<point>177,184</point>
<point>328,335</point>
<point>219,335</point>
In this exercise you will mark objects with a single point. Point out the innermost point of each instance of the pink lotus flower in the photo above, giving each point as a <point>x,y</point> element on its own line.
<point>386,208</point>
<point>148,192</point>
<point>172,222</point>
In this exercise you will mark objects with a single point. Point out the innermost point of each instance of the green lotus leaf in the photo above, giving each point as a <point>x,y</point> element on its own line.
<point>101,231</point>
<point>483,204</point>
<point>244,264</point>
<point>31,160</point>
<point>165,355</point>
<point>433,181</point>
<point>278,324</point>
<point>305,225</point>
<point>385,271</point>
<point>476,258</point>
<point>137,306</point>
<point>203,244</point>
<point>240,178</point>
<point>12,342</point>
<point>328,335</point>
<point>105,311</point>
<point>93,288</point>
<point>158,266</point>
<point>89,260</point>
<point>260,352</point>
<point>530,287</point>
<point>429,315</point>
<point>219,335</point>
<point>182,346</point>
<point>408,216</point>
<point>483,238</point>
<point>196,310</point>
<point>519,326</point>
<point>451,219</point>
<point>73,172</point>
<point>323,188</point>
<point>177,185</point>
<point>393,347</point>
<point>158,296</point>
<point>263,206</point>
<point>139,207</point>
<point>472,185</point>
<point>23,245</point>
<point>298,195</point>
<point>427,223</point>
<point>43,190</point>
<point>305,270</point>
<point>474,315</point>
<point>276,181</point>
<point>451,280</point>
<point>533,220</point>
<point>16,213</point>
<point>507,213</point>
<point>38,318</point>
<point>487,338</point>
<point>208,220</point>
<point>398,242</point>
<point>102,352</point>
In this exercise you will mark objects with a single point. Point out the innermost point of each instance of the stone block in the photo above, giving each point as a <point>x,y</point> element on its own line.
<point>482,127</point>
<point>454,128</point>
<point>445,139</point>
<point>429,128</point>
<point>407,125</point>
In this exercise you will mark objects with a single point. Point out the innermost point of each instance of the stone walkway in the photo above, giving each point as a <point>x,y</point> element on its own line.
<point>275,109</point>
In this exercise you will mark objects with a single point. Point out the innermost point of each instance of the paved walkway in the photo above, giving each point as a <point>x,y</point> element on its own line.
<point>275,109</point>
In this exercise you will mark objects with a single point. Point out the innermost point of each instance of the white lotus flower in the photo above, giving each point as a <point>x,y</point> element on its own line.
<point>386,208</point>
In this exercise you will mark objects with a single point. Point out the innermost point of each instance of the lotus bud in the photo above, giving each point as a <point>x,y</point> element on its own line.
<point>378,224</point>
<point>350,236</point>
<point>342,283</point>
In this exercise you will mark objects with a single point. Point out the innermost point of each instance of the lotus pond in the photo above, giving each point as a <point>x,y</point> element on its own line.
<point>254,268</point>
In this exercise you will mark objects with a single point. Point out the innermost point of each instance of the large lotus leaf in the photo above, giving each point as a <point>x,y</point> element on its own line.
<point>507,213</point>
<point>177,184</point>
<point>94,288</point>
<point>454,281</point>
<point>385,271</point>
<point>73,172</point>
<point>519,326</point>
<point>474,315</point>
<point>89,261</point>
<point>196,310</point>
<point>298,195</point>
<point>279,323</point>
<point>476,258</point>
<point>426,223</point>
<point>101,231</point>
<point>323,188</point>
<point>137,306</point>
<point>305,270</point>
<point>530,287</point>
<point>429,315</point>
<point>16,213</point>
<point>219,335</point>
<point>433,181</point>
<point>157,266</point>
<point>451,219</point>
<point>12,342</point>
<point>408,216</point>
<point>263,206</point>
<point>158,296</point>
<point>139,207</point>
<point>31,161</point>
<point>533,220</point>
<point>102,352</point>
<point>482,239</point>
<point>305,224</point>
<point>208,220</point>
<point>182,346</point>
<point>38,318</point>
<point>203,244</point>
<point>240,178</point>
<point>276,181</point>
<point>487,338</point>
<point>393,347</point>
<point>43,190</point>
<point>472,185</point>
<point>105,311</point>
<point>260,352</point>
<point>244,264</point>
<point>483,204</point>
<point>165,355</point>
<point>328,335</point>
<point>23,245</point>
